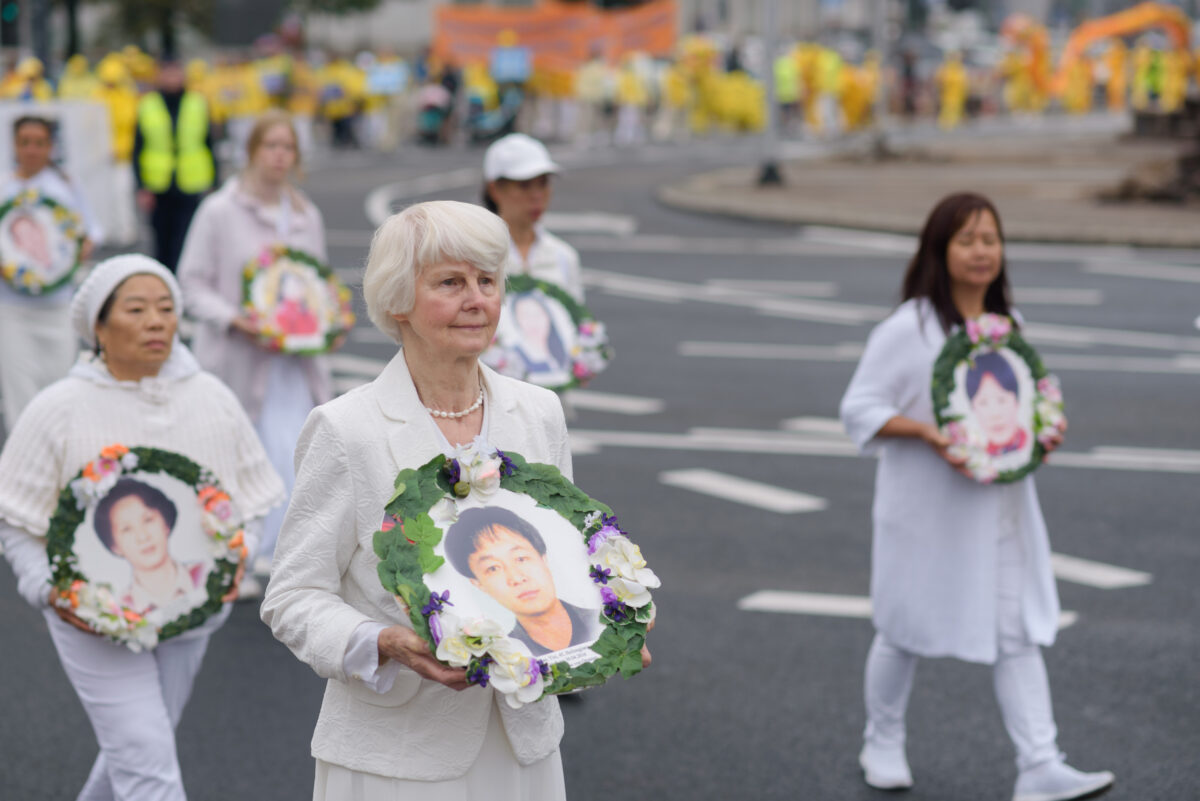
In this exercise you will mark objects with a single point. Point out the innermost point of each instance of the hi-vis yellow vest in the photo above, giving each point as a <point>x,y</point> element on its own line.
<point>182,152</point>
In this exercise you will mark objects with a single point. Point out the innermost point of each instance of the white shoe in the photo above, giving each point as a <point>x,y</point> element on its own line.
<point>1057,781</point>
<point>885,767</point>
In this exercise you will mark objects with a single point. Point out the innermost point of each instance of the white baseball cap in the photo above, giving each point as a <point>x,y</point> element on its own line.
<point>517,157</point>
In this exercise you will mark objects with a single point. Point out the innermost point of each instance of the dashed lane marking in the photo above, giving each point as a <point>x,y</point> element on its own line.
<point>743,491</point>
<point>828,605</point>
<point>1096,574</point>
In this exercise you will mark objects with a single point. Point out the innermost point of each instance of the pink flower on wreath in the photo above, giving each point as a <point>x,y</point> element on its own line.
<point>974,331</point>
<point>581,371</point>
<point>266,257</point>
<point>587,328</point>
<point>957,432</point>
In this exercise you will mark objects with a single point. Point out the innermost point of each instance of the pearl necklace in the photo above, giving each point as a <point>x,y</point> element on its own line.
<point>458,415</point>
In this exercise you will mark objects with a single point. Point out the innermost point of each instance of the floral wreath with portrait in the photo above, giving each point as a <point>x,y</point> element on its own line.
<point>105,609</point>
<point>26,278</point>
<point>588,355</point>
<point>976,341</point>
<point>326,306</point>
<point>480,645</point>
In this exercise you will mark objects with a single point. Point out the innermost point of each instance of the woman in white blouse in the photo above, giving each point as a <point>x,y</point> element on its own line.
<point>958,568</point>
<point>37,345</point>
<point>517,171</point>
<point>393,723</point>
<point>141,387</point>
<point>253,211</point>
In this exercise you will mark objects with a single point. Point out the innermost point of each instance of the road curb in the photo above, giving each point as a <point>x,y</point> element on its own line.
<point>731,192</point>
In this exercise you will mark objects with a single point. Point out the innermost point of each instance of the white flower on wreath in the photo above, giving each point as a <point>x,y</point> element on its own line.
<point>618,554</point>
<point>514,673</point>
<point>460,641</point>
<point>479,467</point>
<point>631,593</point>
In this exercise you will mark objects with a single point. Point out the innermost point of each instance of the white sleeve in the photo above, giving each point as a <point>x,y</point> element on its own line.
<point>362,658</point>
<point>27,556</point>
<point>198,266</point>
<point>303,603</point>
<point>873,396</point>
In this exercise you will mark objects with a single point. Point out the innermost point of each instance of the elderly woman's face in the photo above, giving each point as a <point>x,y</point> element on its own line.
<point>139,533</point>
<point>455,311</point>
<point>140,326</point>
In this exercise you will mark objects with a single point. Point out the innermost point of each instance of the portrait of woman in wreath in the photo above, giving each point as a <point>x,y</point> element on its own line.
<point>540,344</point>
<point>297,304</point>
<point>30,241</point>
<point>995,397</point>
<point>135,521</point>
<point>504,556</point>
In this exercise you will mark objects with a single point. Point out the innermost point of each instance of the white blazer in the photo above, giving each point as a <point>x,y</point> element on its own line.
<point>933,555</point>
<point>325,580</point>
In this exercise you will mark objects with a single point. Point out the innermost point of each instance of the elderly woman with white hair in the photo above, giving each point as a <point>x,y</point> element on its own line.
<point>393,723</point>
<point>139,387</point>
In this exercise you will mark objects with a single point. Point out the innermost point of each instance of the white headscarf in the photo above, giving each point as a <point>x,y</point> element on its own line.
<point>89,298</point>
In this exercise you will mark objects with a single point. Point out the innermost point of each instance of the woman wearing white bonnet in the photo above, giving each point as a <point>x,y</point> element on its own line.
<point>139,386</point>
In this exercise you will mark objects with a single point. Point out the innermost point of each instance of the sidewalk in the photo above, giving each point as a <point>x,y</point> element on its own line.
<point>1045,182</point>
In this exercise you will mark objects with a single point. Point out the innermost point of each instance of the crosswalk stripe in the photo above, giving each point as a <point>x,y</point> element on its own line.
<point>1096,574</point>
<point>744,491</point>
<point>829,605</point>
<point>612,402</point>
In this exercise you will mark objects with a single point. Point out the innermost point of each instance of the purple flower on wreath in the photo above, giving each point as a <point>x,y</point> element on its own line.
<point>613,607</point>
<point>600,575</point>
<point>537,670</point>
<point>507,468</point>
<point>608,529</point>
<point>453,471</point>
<point>435,629</point>
<point>479,674</point>
<point>436,602</point>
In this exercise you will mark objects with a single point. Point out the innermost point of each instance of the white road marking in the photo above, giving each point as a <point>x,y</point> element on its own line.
<point>829,605</point>
<point>380,202</point>
<point>713,246</point>
<point>809,289</point>
<point>869,240</point>
<point>1158,272</point>
<point>743,491</point>
<point>1055,296</point>
<point>590,222</point>
<point>611,402</point>
<point>819,426</point>
<point>849,352</point>
<point>370,336</point>
<point>807,603</point>
<point>826,311</point>
<point>1096,574</point>
<point>734,440</point>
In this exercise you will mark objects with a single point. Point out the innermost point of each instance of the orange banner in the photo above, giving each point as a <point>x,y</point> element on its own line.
<point>561,36</point>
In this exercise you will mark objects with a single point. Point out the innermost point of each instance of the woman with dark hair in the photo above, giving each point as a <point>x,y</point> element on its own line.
<point>36,342</point>
<point>140,386</point>
<point>135,521</point>
<point>505,557</point>
<point>995,399</point>
<point>958,568</point>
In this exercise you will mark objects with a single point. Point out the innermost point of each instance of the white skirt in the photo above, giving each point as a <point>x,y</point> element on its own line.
<point>496,776</point>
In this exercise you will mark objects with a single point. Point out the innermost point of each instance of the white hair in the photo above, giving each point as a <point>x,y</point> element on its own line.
<point>422,236</point>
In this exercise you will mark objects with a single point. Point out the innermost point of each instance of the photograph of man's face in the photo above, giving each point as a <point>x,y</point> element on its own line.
<point>525,567</point>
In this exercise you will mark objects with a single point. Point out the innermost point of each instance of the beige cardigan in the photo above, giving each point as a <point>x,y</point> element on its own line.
<point>325,580</point>
<point>229,230</point>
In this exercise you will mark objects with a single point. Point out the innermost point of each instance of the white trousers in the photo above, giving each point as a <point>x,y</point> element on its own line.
<point>285,408</point>
<point>134,702</point>
<point>1018,677</point>
<point>37,347</point>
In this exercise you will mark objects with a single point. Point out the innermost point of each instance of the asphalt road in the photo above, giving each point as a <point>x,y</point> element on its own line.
<point>760,704</point>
